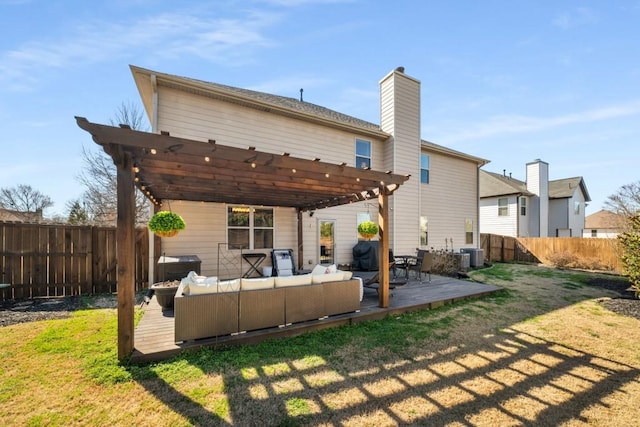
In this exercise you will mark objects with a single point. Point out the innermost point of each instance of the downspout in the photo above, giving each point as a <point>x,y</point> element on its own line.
<point>154,129</point>
<point>478,206</point>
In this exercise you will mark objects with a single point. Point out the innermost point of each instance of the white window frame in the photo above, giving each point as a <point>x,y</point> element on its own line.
<point>523,206</point>
<point>503,210</point>
<point>251,227</point>
<point>363,156</point>
<point>425,158</point>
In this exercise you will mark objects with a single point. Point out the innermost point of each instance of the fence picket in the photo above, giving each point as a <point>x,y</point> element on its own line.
<point>58,260</point>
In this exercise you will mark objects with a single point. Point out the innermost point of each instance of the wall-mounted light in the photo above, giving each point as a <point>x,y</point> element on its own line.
<point>311,213</point>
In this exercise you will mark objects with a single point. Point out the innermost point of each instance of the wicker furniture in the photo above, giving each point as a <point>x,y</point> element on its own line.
<point>223,313</point>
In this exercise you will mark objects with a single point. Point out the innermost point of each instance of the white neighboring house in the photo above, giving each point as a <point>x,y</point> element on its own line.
<point>603,224</point>
<point>535,208</point>
<point>423,212</point>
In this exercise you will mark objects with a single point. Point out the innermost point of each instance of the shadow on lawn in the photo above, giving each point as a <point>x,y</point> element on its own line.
<point>511,378</point>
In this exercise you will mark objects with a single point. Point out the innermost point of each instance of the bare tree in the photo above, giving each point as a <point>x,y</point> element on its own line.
<point>626,200</point>
<point>24,198</point>
<point>98,175</point>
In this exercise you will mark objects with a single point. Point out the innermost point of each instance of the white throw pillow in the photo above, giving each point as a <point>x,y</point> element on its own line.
<point>319,269</point>
<point>257,283</point>
<point>347,275</point>
<point>199,288</point>
<point>301,279</point>
<point>330,277</point>
<point>229,285</point>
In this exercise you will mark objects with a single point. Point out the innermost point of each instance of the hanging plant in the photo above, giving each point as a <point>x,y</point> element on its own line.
<point>368,229</point>
<point>166,224</point>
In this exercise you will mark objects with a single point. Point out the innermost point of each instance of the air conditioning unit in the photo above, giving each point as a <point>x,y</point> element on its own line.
<point>476,256</point>
<point>463,261</point>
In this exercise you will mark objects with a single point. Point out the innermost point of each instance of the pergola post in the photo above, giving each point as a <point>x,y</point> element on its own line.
<point>125,252</point>
<point>383,244</point>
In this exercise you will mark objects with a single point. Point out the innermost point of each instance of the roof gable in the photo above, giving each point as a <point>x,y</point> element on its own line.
<point>287,106</point>
<point>566,188</point>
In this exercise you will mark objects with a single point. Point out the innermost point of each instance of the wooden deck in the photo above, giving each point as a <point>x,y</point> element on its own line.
<point>154,336</point>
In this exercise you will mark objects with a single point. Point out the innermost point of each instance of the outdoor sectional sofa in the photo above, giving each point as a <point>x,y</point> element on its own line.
<point>226,307</point>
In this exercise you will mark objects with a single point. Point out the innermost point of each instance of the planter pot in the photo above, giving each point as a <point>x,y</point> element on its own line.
<point>165,292</point>
<point>169,233</point>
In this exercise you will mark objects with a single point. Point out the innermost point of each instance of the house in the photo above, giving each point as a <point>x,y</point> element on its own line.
<point>9,215</point>
<point>603,224</point>
<point>423,213</point>
<point>536,207</point>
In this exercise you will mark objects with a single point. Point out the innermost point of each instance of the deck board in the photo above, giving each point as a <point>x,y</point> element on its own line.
<point>154,335</point>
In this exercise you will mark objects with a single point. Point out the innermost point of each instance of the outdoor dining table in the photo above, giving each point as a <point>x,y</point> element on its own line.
<point>404,262</point>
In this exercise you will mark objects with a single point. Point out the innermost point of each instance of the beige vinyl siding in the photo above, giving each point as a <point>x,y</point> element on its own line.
<point>206,229</point>
<point>449,199</point>
<point>400,116</point>
<point>196,117</point>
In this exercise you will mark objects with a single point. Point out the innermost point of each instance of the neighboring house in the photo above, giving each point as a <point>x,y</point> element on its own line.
<point>603,224</point>
<point>437,207</point>
<point>535,208</point>
<point>17,216</point>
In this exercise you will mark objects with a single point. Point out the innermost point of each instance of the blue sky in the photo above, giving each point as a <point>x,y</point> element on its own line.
<point>509,81</point>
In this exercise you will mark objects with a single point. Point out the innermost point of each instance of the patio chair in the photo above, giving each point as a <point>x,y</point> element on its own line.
<point>415,263</point>
<point>282,260</point>
<point>424,265</point>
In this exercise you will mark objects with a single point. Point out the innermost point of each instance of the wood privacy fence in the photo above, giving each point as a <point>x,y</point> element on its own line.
<point>540,249</point>
<point>39,260</point>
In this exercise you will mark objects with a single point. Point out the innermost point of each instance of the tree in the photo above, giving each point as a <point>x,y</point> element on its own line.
<point>626,200</point>
<point>77,214</point>
<point>23,198</point>
<point>99,176</point>
<point>630,242</point>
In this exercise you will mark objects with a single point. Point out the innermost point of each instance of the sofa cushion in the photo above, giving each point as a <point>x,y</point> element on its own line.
<point>329,277</point>
<point>300,279</point>
<point>199,288</point>
<point>229,285</point>
<point>347,274</point>
<point>256,283</point>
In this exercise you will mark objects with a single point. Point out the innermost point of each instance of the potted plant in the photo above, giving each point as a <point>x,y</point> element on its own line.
<point>164,292</point>
<point>368,229</point>
<point>166,224</point>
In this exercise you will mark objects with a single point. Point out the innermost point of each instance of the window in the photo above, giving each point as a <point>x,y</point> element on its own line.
<point>424,168</point>
<point>424,231</point>
<point>468,231</point>
<point>363,154</point>
<point>594,233</point>
<point>503,206</point>
<point>523,206</point>
<point>576,208</point>
<point>249,227</point>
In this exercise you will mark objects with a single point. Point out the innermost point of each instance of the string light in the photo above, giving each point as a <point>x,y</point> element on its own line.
<point>153,151</point>
<point>207,159</point>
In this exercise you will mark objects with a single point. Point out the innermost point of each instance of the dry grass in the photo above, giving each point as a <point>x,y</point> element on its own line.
<point>546,353</point>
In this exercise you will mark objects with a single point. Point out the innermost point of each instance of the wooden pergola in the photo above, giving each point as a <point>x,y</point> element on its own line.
<point>165,167</point>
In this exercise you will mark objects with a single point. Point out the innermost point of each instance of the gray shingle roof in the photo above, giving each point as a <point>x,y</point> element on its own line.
<point>493,184</point>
